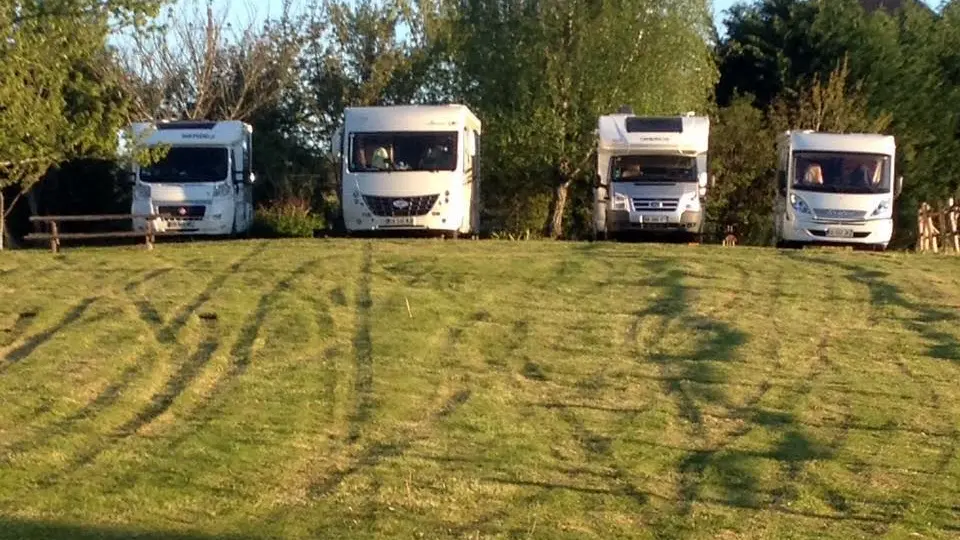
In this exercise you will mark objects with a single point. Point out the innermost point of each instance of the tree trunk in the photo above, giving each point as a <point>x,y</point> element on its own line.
<point>555,227</point>
<point>3,220</point>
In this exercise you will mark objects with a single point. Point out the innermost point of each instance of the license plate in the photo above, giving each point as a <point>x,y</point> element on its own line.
<point>840,233</point>
<point>398,221</point>
<point>649,219</point>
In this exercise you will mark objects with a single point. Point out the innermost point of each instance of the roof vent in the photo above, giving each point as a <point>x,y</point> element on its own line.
<point>625,109</point>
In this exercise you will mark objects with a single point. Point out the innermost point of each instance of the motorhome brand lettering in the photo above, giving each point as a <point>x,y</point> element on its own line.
<point>196,136</point>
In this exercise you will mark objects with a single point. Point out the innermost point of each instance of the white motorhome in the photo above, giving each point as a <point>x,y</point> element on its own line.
<point>409,168</point>
<point>835,188</point>
<point>203,179</point>
<point>651,173</point>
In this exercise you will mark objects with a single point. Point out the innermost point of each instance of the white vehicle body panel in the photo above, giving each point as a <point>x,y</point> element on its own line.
<point>217,205</point>
<point>805,215</point>
<point>664,205</point>
<point>396,199</point>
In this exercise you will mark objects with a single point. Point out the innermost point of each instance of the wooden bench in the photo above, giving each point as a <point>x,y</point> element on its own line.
<point>55,236</point>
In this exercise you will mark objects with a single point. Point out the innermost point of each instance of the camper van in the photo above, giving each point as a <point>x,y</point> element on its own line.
<point>409,168</point>
<point>201,184</point>
<point>651,174</point>
<point>835,189</point>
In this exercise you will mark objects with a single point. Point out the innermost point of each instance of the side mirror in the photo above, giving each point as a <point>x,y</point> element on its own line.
<point>782,182</point>
<point>898,188</point>
<point>702,179</point>
<point>598,182</point>
<point>702,190</point>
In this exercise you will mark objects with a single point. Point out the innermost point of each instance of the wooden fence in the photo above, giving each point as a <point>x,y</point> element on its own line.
<point>55,236</point>
<point>937,227</point>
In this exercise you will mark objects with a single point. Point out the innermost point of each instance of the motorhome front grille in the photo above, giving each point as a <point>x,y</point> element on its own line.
<point>845,215</point>
<point>400,206</point>
<point>655,205</point>
<point>188,211</point>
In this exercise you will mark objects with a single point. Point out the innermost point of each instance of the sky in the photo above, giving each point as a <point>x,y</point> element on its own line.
<point>242,12</point>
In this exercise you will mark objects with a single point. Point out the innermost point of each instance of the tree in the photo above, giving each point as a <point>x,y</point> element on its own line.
<point>541,72</point>
<point>58,100</point>
<point>833,106</point>
<point>743,158</point>
<point>355,56</point>
<point>198,67</point>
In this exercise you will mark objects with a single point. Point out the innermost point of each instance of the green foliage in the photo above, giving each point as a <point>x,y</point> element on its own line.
<point>832,106</point>
<point>287,218</point>
<point>885,72</point>
<point>540,73</point>
<point>58,85</point>
<point>743,158</point>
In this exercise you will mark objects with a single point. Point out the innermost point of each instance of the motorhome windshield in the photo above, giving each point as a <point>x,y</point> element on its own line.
<point>653,169</point>
<point>835,172</point>
<point>188,164</point>
<point>403,151</point>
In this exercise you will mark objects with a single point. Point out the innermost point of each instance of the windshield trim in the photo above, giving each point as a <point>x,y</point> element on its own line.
<point>456,150</point>
<point>168,179</point>
<point>886,174</point>
<point>655,179</point>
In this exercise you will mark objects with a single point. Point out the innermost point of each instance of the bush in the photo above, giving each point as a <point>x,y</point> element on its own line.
<point>287,218</point>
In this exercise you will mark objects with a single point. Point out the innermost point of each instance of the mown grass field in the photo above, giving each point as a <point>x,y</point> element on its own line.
<point>283,389</point>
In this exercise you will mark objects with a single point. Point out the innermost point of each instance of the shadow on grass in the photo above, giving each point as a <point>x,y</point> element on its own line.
<point>943,346</point>
<point>27,348</point>
<point>241,353</point>
<point>24,321</point>
<point>363,349</point>
<point>159,403</point>
<point>730,471</point>
<point>22,529</point>
<point>167,334</point>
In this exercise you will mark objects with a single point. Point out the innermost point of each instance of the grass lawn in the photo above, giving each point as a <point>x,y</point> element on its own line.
<point>430,389</point>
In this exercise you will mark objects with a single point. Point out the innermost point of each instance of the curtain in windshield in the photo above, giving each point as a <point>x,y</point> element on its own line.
<point>841,173</point>
<point>653,169</point>
<point>188,164</point>
<point>372,152</point>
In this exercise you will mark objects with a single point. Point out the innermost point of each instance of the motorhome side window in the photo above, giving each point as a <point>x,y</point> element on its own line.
<point>841,172</point>
<point>188,164</point>
<point>403,151</point>
<point>654,168</point>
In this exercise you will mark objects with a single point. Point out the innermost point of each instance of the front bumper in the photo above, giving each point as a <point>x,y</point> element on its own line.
<point>624,220</point>
<point>217,219</point>
<point>875,232</point>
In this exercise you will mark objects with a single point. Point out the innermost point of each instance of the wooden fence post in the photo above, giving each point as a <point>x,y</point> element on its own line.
<point>3,220</point>
<point>952,211</point>
<point>923,241</point>
<point>942,224</point>
<point>54,237</point>
<point>150,238</point>
<point>934,232</point>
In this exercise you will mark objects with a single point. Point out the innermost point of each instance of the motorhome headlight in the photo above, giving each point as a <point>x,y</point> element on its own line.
<point>692,205</point>
<point>882,209</point>
<point>620,202</point>
<point>799,204</point>
<point>141,191</point>
<point>221,190</point>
